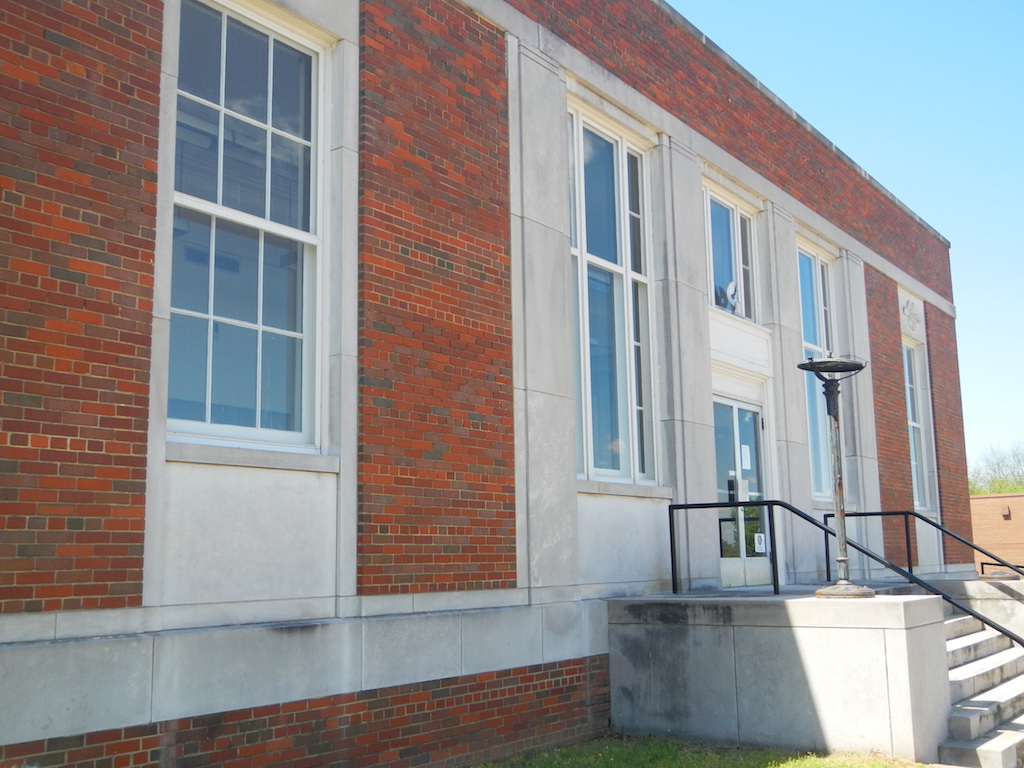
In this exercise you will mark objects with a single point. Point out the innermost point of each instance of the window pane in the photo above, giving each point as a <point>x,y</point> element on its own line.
<point>190,270</point>
<point>289,183</point>
<point>746,268</point>
<point>573,232</point>
<point>635,217</point>
<point>233,388</point>
<point>236,272</point>
<point>749,427</point>
<point>196,149</point>
<point>245,71</point>
<point>826,308</point>
<point>281,383</point>
<point>643,399</point>
<point>186,385</point>
<point>599,196</point>
<point>245,167</point>
<point>725,454</point>
<point>199,51</point>
<point>917,465</point>
<point>809,300</point>
<point>722,257</point>
<point>910,384</point>
<point>818,434</point>
<point>604,370</point>
<point>282,283</point>
<point>293,91</point>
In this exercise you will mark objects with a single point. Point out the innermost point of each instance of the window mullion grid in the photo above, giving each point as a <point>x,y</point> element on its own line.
<point>636,326</point>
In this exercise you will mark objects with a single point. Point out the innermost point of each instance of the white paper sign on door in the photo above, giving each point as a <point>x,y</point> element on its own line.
<point>760,543</point>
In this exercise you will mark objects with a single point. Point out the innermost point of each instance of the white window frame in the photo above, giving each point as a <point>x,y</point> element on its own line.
<point>634,388</point>
<point>741,301</point>
<point>818,432</point>
<point>916,387</point>
<point>264,18</point>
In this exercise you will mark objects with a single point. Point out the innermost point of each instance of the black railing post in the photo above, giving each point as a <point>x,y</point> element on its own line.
<point>770,509</point>
<point>672,547</point>
<point>906,535</point>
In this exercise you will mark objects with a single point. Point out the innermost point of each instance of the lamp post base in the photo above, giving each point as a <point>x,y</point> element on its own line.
<point>844,589</point>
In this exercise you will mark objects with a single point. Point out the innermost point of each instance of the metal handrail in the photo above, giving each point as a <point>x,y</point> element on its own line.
<point>673,508</point>
<point>982,565</point>
<point>906,532</point>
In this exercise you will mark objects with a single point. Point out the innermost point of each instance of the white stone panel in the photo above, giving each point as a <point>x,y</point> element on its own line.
<point>236,533</point>
<point>226,669</point>
<point>408,649</point>
<point>500,639</point>
<point>60,689</point>
<point>623,539</point>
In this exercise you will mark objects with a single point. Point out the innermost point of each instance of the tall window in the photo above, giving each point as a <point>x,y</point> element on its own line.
<point>916,419</point>
<point>615,420</point>
<point>816,315</point>
<point>244,235</point>
<point>731,245</point>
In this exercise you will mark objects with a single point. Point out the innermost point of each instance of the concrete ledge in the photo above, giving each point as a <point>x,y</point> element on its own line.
<point>795,672</point>
<point>68,687</point>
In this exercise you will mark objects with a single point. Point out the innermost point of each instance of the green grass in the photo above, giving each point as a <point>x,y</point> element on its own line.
<point>663,753</point>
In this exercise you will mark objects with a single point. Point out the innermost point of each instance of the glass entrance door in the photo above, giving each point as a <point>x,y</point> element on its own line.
<point>742,531</point>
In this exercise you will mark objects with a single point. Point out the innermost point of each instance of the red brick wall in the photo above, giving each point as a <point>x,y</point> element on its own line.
<point>648,49</point>
<point>79,83</point>
<point>947,412</point>
<point>444,723</point>
<point>435,402</point>
<point>997,522</point>
<point>886,367</point>
<point>891,419</point>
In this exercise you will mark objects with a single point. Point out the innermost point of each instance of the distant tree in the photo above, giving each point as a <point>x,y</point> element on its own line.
<point>999,470</point>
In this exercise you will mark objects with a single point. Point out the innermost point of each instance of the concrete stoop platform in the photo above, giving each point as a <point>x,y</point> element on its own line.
<point>986,677</point>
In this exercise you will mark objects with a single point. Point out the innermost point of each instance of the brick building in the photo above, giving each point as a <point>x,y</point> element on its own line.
<point>352,352</point>
<point>997,522</point>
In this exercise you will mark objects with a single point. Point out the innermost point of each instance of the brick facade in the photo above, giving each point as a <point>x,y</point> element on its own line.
<point>434,468</point>
<point>79,84</point>
<point>947,413</point>
<point>897,493</point>
<point>443,723</point>
<point>896,484</point>
<point>436,456</point>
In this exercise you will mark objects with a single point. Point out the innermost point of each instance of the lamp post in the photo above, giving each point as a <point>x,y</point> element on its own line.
<point>830,371</point>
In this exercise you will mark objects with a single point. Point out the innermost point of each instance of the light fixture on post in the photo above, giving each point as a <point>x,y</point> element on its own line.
<point>830,371</point>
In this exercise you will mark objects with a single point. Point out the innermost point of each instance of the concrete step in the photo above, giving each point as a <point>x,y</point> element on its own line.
<point>1002,747</point>
<point>961,624</point>
<point>977,645</point>
<point>976,676</point>
<point>984,711</point>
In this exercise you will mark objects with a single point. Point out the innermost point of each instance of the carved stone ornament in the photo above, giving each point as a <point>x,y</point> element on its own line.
<point>912,314</point>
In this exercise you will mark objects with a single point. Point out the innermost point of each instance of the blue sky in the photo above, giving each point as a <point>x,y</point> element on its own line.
<point>928,97</point>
